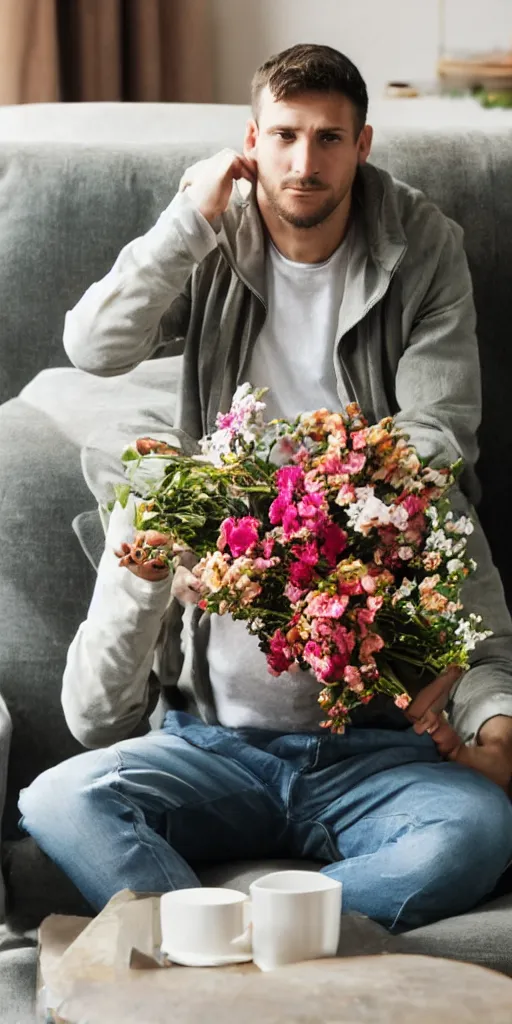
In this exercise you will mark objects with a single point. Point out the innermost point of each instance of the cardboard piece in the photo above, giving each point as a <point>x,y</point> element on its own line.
<point>109,969</point>
<point>104,968</point>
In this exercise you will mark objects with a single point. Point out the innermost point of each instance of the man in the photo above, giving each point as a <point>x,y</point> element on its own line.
<point>323,278</point>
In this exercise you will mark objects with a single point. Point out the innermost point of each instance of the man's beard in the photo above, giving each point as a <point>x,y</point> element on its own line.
<point>311,220</point>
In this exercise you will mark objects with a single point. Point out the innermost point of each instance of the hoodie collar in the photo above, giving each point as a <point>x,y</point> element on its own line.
<point>375,208</point>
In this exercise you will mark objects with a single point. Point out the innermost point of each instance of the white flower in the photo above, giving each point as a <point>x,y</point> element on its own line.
<point>434,476</point>
<point>438,541</point>
<point>454,565</point>
<point>432,514</point>
<point>368,511</point>
<point>398,516</point>
<point>468,632</point>
<point>405,553</point>
<point>462,526</point>
<point>216,445</point>
<point>406,587</point>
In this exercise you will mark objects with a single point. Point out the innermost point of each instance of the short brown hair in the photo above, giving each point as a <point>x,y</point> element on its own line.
<point>308,67</point>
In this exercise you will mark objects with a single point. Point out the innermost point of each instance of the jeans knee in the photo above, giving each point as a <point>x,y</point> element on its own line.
<point>58,795</point>
<point>460,857</point>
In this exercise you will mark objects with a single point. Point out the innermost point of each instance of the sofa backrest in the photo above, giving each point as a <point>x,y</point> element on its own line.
<point>66,211</point>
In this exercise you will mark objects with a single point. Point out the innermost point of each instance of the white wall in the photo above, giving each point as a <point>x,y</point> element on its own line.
<point>387,39</point>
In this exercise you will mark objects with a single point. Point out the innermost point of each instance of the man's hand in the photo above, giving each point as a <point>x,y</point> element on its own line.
<point>133,556</point>
<point>209,182</point>
<point>185,586</point>
<point>491,757</point>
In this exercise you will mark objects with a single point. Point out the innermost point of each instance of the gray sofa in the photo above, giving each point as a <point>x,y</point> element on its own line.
<point>66,209</point>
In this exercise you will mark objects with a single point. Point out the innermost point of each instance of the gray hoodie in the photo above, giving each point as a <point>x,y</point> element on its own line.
<point>406,347</point>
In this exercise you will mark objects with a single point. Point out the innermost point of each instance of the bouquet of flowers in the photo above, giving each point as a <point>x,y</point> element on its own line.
<point>330,537</point>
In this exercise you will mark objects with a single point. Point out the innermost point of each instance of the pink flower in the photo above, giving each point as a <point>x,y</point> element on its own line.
<point>325,606</point>
<point>225,420</point>
<point>368,584</point>
<point>343,639</point>
<point>359,439</point>
<point>413,504</point>
<point>267,546</point>
<point>313,482</point>
<point>320,663</point>
<point>307,553</point>
<point>355,462</point>
<point>346,495</point>
<point>350,587</point>
<point>294,594</point>
<point>238,534</point>
<point>375,603</point>
<point>290,523</point>
<point>278,509</point>
<point>371,643</point>
<point>301,574</point>
<point>334,542</point>
<point>278,658</point>
<point>402,701</point>
<point>331,465</point>
<point>261,564</point>
<point>365,617</point>
<point>309,505</point>
<point>352,677</point>
<point>288,479</point>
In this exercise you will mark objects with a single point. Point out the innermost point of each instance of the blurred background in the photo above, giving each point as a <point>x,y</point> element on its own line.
<point>206,50</point>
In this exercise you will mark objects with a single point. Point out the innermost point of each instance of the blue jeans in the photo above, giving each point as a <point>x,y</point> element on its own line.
<point>411,838</point>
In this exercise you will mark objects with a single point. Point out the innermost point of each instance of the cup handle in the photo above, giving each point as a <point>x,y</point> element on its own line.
<point>243,943</point>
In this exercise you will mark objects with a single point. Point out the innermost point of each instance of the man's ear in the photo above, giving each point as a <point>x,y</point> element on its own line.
<point>365,144</point>
<point>251,140</point>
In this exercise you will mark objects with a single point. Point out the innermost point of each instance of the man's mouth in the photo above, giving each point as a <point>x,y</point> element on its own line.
<point>297,188</point>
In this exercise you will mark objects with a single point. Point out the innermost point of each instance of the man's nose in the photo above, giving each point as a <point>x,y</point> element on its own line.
<point>304,160</point>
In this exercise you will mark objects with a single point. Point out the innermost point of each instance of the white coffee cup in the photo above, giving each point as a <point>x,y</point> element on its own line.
<point>205,927</point>
<point>296,915</point>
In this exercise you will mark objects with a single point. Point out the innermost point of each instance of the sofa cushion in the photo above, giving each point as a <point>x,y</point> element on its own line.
<point>46,582</point>
<point>107,411</point>
<point>65,214</point>
<point>482,936</point>
<point>45,587</point>
<point>18,972</point>
<point>37,887</point>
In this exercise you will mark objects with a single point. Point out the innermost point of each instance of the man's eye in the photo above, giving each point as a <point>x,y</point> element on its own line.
<point>286,136</point>
<point>329,137</point>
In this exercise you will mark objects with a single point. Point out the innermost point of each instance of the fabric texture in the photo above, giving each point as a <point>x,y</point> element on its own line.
<point>105,50</point>
<point>66,211</point>
<point>406,346</point>
<point>377,807</point>
<point>37,887</point>
<point>5,741</point>
<point>42,489</point>
<point>293,353</point>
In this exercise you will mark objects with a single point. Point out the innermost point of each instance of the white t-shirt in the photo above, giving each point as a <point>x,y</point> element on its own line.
<point>294,357</point>
<point>294,353</point>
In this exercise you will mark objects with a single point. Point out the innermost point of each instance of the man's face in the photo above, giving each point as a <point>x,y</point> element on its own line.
<point>307,153</point>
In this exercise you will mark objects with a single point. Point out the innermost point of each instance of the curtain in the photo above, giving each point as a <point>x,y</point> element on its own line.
<point>89,50</point>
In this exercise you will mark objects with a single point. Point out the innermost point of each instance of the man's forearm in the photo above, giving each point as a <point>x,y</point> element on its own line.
<point>497,731</point>
<point>116,324</point>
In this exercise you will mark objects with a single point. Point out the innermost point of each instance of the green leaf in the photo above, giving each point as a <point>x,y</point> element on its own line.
<point>129,455</point>
<point>122,493</point>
